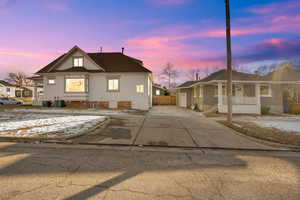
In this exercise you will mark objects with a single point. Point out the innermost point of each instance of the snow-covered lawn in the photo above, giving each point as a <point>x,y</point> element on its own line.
<point>73,111</point>
<point>289,126</point>
<point>285,123</point>
<point>54,126</point>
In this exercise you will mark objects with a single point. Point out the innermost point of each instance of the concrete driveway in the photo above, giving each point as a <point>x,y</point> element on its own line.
<point>169,126</point>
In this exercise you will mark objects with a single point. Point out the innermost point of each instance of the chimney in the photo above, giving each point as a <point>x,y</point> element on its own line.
<point>197,76</point>
<point>100,49</point>
<point>123,50</point>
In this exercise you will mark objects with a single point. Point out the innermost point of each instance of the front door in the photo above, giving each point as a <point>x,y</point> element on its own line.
<point>182,99</point>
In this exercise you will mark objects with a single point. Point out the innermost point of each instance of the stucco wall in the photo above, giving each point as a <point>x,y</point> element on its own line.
<point>128,83</point>
<point>97,90</point>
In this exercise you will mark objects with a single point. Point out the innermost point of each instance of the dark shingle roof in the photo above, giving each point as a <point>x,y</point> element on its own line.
<point>5,83</point>
<point>222,75</point>
<point>110,62</point>
<point>188,84</point>
<point>236,76</point>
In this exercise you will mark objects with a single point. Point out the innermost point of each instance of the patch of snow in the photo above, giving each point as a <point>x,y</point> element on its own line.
<point>50,127</point>
<point>289,126</point>
<point>72,111</point>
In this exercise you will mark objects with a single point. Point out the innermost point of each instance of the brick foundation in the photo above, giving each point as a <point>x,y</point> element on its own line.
<point>77,104</point>
<point>104,104</point>
<point>122,105</point>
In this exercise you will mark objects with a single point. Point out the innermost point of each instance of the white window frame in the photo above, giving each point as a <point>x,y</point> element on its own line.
<point>78,61</point>
<point>116,85</point>
<point>140,88</point>
<point>269,90</point>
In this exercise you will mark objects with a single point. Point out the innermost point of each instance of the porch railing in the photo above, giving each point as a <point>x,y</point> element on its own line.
<point>237,100</point>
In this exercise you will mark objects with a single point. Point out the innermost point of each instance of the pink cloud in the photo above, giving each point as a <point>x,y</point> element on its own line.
<point>169,2</point>
<point>26,54</point>
<point>156,51</point>
<point>274,41</point>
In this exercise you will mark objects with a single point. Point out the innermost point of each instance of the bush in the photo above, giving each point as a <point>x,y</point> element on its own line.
<point>265,110</point>
<point>296,111</point>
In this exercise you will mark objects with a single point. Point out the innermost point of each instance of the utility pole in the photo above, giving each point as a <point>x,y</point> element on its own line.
<point>229,63</point>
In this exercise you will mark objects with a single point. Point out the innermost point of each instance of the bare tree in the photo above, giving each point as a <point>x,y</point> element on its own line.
<point>18,78</point>
<point>169,74</point>
<point>193,74</point>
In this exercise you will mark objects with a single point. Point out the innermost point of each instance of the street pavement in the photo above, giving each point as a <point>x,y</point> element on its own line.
<point>51,171</point>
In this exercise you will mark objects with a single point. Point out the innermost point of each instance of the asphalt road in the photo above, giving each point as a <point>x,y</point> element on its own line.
<point>41,171</point>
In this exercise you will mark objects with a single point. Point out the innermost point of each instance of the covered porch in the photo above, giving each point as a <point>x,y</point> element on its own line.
<point>245,98</point>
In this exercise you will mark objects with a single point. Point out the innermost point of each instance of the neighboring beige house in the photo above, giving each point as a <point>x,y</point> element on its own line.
<point>251,92</point>
<point>7,89</point>
<point>108,80</point>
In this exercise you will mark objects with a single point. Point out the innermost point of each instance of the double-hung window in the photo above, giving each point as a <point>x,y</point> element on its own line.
<point>78,61</point>
<point>113,84</point>
<point>51,81</point>
<point>140,88</point>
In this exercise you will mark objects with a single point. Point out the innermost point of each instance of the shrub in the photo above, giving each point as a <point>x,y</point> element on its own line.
<point>296,111</point>
<point>265,110</point>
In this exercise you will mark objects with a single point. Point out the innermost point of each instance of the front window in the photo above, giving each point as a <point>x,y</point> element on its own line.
<point>140,88</point>
<point>7,89</point>
<point>75,85</point>
<point>157,92</point>
<point>113,84</point>
<point>78,62</point>
<point>265,91</point>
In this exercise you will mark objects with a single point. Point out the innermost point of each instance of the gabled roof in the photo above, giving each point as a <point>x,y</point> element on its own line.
<point>107,62</point>
<point>6,83</point>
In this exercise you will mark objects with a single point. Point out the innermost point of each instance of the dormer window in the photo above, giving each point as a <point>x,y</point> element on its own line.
<point>78,62</point>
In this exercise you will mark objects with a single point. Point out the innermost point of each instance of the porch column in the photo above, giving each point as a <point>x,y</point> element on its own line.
<point>220,97</point>
<point>35,92</point>
<point>257,94</point>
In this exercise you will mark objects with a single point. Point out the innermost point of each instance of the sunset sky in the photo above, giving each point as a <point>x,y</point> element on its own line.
<point>187,33</point>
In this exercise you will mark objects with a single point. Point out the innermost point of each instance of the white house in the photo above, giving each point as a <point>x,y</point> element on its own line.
<point>109,80</point>
<point>7,89</point>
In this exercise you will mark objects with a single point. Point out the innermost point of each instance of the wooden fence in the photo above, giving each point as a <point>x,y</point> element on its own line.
<point>164,100</point>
